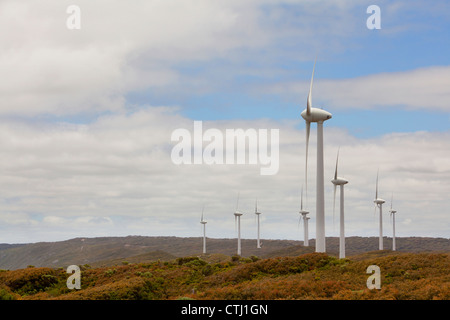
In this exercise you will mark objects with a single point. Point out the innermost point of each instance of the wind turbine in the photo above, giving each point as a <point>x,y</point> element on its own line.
<point>237,217</point>
<point>305,222</point>
<point>203,222</point>
<point>311,114</point>
<point>258,241</point>
<point>379,203</point>
<point>392,214</point>
<point>338,181</point>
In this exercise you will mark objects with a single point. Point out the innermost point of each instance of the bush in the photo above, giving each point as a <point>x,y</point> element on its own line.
<point>6,295</point>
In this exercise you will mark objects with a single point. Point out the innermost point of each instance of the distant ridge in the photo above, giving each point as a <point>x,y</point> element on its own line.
<point>108,250</point>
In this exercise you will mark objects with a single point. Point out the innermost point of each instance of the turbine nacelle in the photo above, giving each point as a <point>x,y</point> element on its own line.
<point>238,213</point>
<point>339,181</point>
<point>379,201</point>
<point>393,211</point>
<point>203,221</point>
<point>303,212</point>
<point>316,115</point>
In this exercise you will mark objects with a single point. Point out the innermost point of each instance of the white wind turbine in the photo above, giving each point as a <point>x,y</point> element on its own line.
<point>338,181</point>
<point>305,222</point>
<point>311,114</point>
<point>203,222</point>
<point>392,214</point>
<point>379,203</point>
<point>258,241</point>
<point>237,217</point>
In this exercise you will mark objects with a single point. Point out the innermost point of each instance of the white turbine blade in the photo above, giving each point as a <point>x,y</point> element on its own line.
<point>308,128</point>
<point>392,198</point>
<point>237,202</point>
<point>301,201</point>
<point>203,208</point>
<point>335,171</point>
<point>335,178</point>
<point>334,203</point>
<point>309,100</point>
<point>376,189</point>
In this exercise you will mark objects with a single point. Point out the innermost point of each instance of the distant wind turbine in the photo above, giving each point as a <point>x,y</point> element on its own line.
<point>237,217</point>
<point>311,114</point>
<point>305,222</point>
<point>337,181</point>
<point>392,214</point>
<point>258,241</point>
<point>203,222</point>
<point>379,203</point>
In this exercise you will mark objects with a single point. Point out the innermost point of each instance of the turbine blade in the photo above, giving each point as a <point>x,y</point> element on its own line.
<point>334,203</point>
<point>376,189</point>
<point>335,171</point>
<point>309,100</point>
<point>375,211</point>
<point>301,200</point>
<point>308,129</point>
<point>237,202</point>
<point>392,197</point>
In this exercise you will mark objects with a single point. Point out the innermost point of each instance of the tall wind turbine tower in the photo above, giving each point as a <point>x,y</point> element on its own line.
<point>305,222</point>
<point>392,214</point>
<point>237,217</point>
<point>338,181</point>
<point>258,241</point>
<point>379,203</point>
<point>203,222</point>
<point>311,114</point>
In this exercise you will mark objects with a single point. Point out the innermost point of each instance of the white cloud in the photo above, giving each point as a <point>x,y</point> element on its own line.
<point>120,47</point>
<point>124,48</point>
<point>424,88</point>
<point>115,177</point>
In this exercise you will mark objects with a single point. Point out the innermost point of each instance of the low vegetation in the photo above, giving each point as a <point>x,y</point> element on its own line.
<point>404,276</point>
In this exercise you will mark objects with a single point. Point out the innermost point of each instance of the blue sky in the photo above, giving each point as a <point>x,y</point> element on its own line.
<point>419,39</point>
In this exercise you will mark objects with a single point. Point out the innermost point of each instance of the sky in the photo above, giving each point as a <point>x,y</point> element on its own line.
<point>91,98</point>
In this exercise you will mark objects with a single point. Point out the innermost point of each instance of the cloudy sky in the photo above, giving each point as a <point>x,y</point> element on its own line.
<point>86,115</point>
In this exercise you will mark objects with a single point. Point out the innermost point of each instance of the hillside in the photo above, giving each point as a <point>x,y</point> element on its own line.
<point>312,276</point>
<point>114,250</point>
